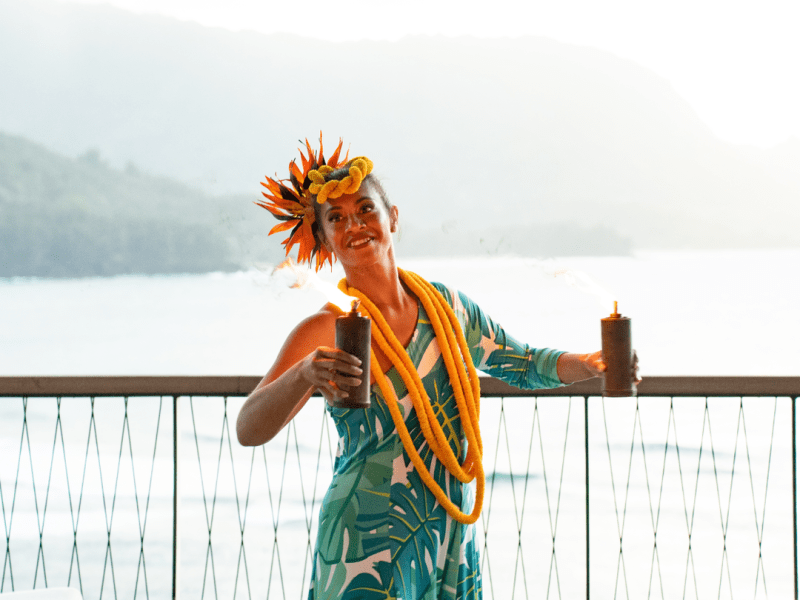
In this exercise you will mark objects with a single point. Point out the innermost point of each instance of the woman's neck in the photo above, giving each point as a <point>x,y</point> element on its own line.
<point>381,284</point>
<point>398,306</point>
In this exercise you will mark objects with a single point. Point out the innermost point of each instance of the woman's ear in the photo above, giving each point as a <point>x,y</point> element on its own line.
<point>393,219</point>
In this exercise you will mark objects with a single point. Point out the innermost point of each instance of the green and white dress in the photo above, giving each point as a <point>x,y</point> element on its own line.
<point>382,534</point>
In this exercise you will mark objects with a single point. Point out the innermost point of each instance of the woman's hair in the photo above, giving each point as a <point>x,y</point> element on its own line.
<point>339,174</point>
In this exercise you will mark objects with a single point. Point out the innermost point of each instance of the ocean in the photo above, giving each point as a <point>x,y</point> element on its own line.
<point>693,313</point>
<point>720,471</point>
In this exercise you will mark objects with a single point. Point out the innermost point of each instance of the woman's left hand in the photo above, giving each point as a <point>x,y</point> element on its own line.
<point>596,367</point>
<point>593,363</point>
<point>576,367</point>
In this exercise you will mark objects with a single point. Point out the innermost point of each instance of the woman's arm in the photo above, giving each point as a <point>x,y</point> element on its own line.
<point>306,362</point>
<point>498,354</point>
<point>576,367</point>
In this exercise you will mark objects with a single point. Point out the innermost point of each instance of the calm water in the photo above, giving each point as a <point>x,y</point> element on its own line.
<point>725,313</point>
<point>694,313</point>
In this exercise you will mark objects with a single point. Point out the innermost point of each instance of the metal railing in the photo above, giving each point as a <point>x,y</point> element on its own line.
<point>134,487</point>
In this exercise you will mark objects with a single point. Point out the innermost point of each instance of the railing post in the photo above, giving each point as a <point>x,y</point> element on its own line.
<point>175,499</point>
<point>586,453</point>
<point>794,488</point>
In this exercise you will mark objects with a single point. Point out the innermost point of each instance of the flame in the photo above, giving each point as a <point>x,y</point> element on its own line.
<point>300,277</point>
<point>584,283</point>
<point>295,277</point>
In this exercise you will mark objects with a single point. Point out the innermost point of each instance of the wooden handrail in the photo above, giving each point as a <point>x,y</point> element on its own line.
<point>231,385</point>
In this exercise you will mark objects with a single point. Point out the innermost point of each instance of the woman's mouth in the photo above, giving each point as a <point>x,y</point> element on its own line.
<point>360,242</point>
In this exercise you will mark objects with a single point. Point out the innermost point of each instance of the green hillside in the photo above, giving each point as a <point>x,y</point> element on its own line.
<point>63,217</point>
<point>541,147</point>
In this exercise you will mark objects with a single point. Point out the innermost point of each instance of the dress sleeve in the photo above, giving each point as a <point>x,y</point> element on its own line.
<point>498,354</point>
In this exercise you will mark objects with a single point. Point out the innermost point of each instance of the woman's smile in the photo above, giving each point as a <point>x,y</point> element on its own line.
<point>359,241</point>
<point>357,223</point>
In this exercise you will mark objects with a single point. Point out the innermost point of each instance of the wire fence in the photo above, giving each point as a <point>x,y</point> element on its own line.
<point>137,488</point>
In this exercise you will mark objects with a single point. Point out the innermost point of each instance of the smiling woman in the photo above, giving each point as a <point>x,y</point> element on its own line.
<point>398,518</point>
<point>362,221</point>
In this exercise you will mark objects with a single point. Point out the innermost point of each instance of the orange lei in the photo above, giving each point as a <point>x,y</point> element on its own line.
<point>463,378</point>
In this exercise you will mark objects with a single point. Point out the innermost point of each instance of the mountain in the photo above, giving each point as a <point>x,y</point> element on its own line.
<point>64,217</point>
<point>499,142</point>
<point>74,217</point>
<point>782,161</point>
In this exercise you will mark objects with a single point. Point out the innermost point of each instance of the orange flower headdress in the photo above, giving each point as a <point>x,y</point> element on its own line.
<point>290,201</point>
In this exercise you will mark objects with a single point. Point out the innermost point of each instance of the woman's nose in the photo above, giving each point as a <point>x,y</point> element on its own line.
<point>354,221</point>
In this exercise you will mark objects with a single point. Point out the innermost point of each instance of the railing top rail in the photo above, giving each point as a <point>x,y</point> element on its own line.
<point>209,385</point>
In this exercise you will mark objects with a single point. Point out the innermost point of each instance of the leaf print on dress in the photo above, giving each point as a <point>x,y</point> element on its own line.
<point>382,534</point>
<point>367,587</point>
<point>328,582</point>
<point>353,519</point>
<point>417,532</point>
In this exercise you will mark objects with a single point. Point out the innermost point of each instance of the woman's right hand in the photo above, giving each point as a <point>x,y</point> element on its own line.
<point>305,362</point>
<point>332,370</point>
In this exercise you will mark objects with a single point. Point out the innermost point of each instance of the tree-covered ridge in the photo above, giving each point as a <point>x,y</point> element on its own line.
<point>64,217</point>
<point>78,217</point>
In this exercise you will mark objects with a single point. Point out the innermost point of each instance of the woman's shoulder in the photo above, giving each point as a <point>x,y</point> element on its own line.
<point>321,321</point>
<point>455,297</point>
<point>464,307</point>
<point>446,291</point>
<point>315,330</point>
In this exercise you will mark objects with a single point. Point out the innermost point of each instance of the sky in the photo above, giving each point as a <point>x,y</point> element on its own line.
<point>736,62</point>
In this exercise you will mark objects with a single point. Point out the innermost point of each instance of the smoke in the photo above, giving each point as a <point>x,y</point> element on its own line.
<point>298,277</point>
<point>584,283</point>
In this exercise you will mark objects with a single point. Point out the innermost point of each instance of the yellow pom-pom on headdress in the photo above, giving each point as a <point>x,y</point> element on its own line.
<point>326,185</point>
<point>289,201</point>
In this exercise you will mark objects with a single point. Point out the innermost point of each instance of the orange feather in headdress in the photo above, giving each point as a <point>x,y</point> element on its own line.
<point>289,201</point>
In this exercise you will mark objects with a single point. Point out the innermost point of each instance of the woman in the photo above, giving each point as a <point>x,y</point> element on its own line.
<point>397,521</point>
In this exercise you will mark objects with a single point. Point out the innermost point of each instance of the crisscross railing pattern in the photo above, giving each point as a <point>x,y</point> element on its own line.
<point>76,495</point>
<point>535,473</point>
<point>282,482</point>
<point>685,492</point>
<point>711,487</point>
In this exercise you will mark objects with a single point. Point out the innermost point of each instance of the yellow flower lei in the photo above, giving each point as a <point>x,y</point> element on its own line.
<point>289,200</point>
<point>463,378</point>
<point>358,168</point>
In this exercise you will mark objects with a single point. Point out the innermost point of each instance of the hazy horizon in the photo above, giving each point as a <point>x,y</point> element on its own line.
<point>738,66</point>
<point>490,146</point>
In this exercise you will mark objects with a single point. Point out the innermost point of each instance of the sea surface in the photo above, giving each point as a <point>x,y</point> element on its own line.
<point>693,313</point>
<point>662,472</point>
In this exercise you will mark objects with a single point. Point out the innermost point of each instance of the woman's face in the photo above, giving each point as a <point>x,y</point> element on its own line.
<point>358,228</point>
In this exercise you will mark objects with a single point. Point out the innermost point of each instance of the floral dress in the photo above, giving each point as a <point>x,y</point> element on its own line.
<point>382,534</point>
